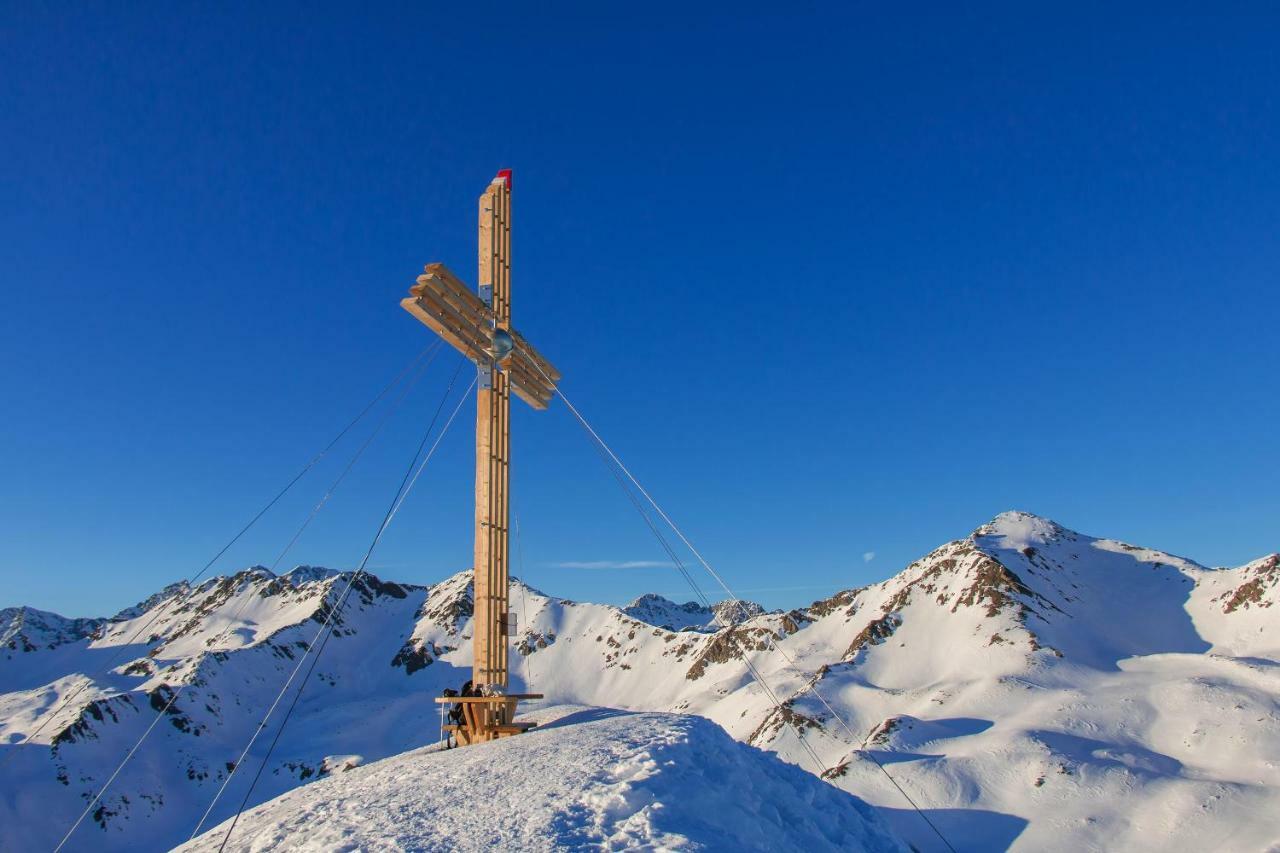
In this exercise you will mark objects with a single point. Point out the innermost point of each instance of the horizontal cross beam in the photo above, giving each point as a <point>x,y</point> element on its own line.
<point>443,303</point>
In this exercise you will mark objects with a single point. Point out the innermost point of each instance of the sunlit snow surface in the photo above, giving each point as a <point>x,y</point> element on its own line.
<point>588,778</point>
<point>1031,687</point>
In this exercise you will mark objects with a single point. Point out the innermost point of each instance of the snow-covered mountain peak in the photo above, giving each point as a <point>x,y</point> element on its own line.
<point>662,603</point>
<point>1029,535</point>
<point>1015,530</point>
<point>665,613</point>
<point>25,629</point>
<point>449,603</point>
<point>661,612</point>
<point>152,601</point>
<point>299,575</point>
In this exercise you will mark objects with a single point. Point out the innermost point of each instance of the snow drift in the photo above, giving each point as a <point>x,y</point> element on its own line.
<point>588,778</point>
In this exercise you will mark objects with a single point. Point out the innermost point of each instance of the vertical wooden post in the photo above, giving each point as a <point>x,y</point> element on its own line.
<point>444,304</point>
<point>493,447</point>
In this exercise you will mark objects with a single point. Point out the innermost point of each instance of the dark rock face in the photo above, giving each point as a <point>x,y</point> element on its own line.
<point>778,719</point>
<point>729,644</point>
<point>998,587</point>
<point>97,711</point>
<point>1252,593</point>
<point>535,640</point>
<point>414,656</point>
<point>875,633</point>
<point>825,607</point>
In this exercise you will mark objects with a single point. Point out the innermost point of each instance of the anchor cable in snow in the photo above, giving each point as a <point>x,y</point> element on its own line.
<point>231,623</point>
<point>733,599</point>
<point>352,463</point>
<point>402,492</point>
<point>115,659</point>
<point>702,596</point>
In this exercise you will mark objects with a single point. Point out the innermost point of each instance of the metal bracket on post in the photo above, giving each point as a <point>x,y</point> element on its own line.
<point>485,380</point>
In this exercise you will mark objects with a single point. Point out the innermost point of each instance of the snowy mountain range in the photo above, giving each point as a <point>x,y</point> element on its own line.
<point>1027,686</point>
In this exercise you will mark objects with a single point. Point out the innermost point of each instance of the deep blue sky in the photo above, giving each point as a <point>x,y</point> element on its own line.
<point>831,281</point>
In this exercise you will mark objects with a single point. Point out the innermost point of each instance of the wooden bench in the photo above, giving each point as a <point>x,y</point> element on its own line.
<point>518,727</point>
<point>486,718</point>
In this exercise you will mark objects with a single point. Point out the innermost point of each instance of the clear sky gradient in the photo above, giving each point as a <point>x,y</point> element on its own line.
<point>835,282</point>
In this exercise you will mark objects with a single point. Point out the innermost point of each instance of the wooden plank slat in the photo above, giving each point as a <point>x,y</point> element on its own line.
<point>457,292</point>
<point>531,381</point>
<point>432,322</point>
<point>467,312</point>
<point>525,366</point>
<point>548,367</point>
<point>502,319</point>
<point>531,388</point>
<point>532,391</point>
<point>463,327</point>
<point>533,401</point>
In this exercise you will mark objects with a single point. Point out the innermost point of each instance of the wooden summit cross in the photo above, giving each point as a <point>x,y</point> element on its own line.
<point>480,328</point>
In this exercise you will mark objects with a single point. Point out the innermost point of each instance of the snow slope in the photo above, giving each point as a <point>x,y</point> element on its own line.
<point>1031,687</point>
<point>586,778</point>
